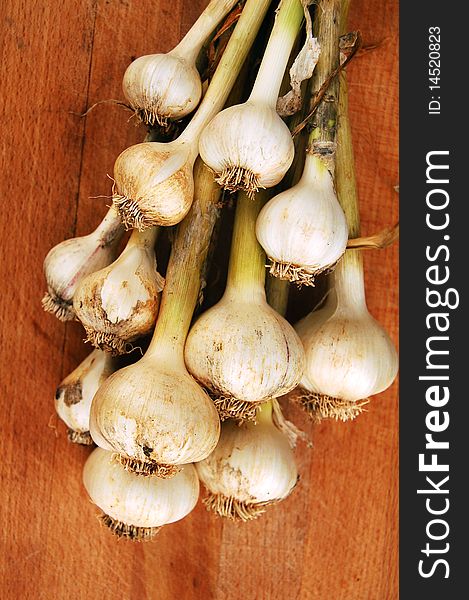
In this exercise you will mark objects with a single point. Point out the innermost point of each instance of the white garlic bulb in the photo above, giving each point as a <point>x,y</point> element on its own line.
<point>154,415</point>
<point>67,263</point>
<point>248,146</point>
<point>349,356</point>
<point>136,507</point>
<point>75,393</point>
<point>252,467</point>
<point>303,230</point>
<point>241,350</point>
<point>119,303</point>
<point>154,184</point>
<point>160,87</point>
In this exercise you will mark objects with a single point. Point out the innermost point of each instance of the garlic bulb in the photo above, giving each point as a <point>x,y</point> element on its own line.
<point>349,356</point>
<point>67,263</point>
<point>160,87</point>
<point>136,507</point>
<point>241,350</point>
<point>119,303</point>
<point>153,181</point>
<point>251,468</point>
<point>153,413</point>
<point>303,230</point>
<point>248,146</point>
<point>74,395</point>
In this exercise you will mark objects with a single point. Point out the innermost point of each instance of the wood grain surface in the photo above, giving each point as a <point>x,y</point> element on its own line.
<point>336,537</point>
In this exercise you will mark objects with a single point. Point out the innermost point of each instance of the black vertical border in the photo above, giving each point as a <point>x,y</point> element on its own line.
<point>420,133</point>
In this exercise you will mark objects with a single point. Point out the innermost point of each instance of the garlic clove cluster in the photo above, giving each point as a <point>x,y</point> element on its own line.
<point>248,146</point>
<point>243,352</point>
<point>155,416</point>
<point>119,303</point>
<point>252,467</point>
<point>349,357</point>
<point>303,230</point>
<point>75,393</point>
<point>162,87</point>
<point>154,184</point>
<point>136,507</point>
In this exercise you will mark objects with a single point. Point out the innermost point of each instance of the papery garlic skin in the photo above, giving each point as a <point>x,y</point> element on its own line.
<point>244,350</point>
<point>154,411</point>
<point>154,184</point>
<point>304,228</point>
<point>248,146</point>
<point>70,261</point>
<point>160,87</point>
<point>75,393</point>
<point>119,304</point>
<point>138,502</point>
<point>253,464</point>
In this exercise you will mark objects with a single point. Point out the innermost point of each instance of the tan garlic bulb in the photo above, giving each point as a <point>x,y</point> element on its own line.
<point>303,230</point>
<point>160,87</point>
<point>249,146</point>
<point>70,261</point>
<point>119,303</point>
<point>349,356</point>
<point>153,181</point>
<point>75,393</point>
<point>153,413</point>
<point>137,507</point>
<point>241,350</point>
<point>252,467</point>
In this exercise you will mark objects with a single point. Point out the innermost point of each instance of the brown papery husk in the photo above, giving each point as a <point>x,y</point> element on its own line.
<point>61,309</point>
<point>128,532</point>
<point>234,178</point>
<point>297,274</point>
<point>230,508</point>
<point>320,406</point>
<point>147,468</point>
<point>80,437</point>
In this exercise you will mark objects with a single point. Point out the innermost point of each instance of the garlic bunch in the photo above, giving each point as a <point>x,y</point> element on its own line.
<point>119,303</point>
<point>349,356</point>
<point>303,230</point>
<point>167,86</point>
<point>136,507</point>
<point>248,146</point>
<point>75,393</point>
<point>251,468</point>
<point>241,350</point>
<point>154,183</point>
<point>153,413</point>
<point>67,263</point>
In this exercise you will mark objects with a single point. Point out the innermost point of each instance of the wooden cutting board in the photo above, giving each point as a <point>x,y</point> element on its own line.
<point>336,537</point>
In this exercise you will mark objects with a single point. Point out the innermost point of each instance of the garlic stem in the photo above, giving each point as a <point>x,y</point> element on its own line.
<point>348,282</point>
<point>143,239</point>
<point>275,60</point>
<point>264,412</point>
<point>191,44</point>
<point>110,227</point>
<point>345,180</point>
<point>188,254</point>
<point>228,69</point>
<point>277,291</point>
<point>322,136</point>
<point>246,271</point>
